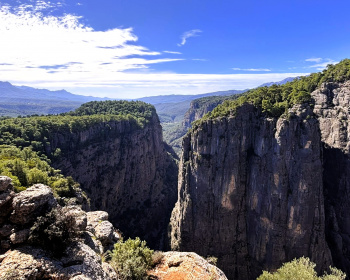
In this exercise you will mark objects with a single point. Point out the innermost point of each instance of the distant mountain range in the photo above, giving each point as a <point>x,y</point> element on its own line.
<point>286,80</point>
<point>23,100</point>
<point>176,98</point>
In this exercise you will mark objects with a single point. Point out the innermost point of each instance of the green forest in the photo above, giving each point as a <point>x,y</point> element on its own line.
<point>277,99</point>
<point>25,142</point>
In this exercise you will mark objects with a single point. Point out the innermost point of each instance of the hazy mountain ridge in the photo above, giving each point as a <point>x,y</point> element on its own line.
<point>24,100</point>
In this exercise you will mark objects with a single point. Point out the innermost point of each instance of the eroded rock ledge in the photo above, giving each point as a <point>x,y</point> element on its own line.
<point>21,259</point>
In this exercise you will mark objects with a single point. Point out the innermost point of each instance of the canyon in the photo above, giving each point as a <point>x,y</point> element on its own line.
<point>256,191</point>
<point>254,187</point>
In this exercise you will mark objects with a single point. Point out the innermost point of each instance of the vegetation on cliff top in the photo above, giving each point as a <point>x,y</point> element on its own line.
<point>137,109</point>
<point>36,131</point>
<point>26,168</point>
<point>302,269</point>
<point>131,259</point>
<point>277,99</point>
<point>26,142</point>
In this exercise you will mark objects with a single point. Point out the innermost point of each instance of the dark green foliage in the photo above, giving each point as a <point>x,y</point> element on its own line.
<point>131,259</point>
<point>37,131</point>
<point>54,231</point>
<point>26,168</point>
<point>301,269</point>
<point>172,112</point>
<point>276,99</point>
<point>173,133</point>
<point>25,142</point>
<point>136,109</point>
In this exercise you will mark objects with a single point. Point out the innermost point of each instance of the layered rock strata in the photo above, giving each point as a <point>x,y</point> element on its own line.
<point>256,192</point>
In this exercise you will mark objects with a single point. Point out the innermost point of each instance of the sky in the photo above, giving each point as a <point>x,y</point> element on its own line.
<point>136,48</point>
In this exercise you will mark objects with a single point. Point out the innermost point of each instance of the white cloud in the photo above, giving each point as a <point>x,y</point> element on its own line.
<point>317,60</point>
<point>171,52</point>
<point>45,51</point>
<point>63,49</point>
<point>252,69</point>
<point>188,34</point>
<point>320,63</point>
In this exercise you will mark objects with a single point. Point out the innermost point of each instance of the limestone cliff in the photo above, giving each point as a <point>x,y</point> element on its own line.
<point>199,107</point>
<point>256,191</point>
<point>332,106</point>
<point>125,171</point>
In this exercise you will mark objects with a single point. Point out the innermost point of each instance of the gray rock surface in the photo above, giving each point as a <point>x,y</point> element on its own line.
<point>19,260</point>
<point>251,192</point>
<point>5,183</point>
<point>32,263</point>
<point>126,172</point>
<point>6,196</point>
<point>332,107</point>
<point>31,203</point>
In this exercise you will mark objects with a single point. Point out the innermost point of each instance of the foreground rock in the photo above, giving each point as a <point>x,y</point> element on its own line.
<point>185,266</point>
<point>27,252</point>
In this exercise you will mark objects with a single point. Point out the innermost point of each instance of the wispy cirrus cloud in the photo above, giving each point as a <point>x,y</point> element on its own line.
<point>189,34</point>
<point>320,63</point>
<point>171,52</point>
<point>317,59</point>
<point>252,69</point>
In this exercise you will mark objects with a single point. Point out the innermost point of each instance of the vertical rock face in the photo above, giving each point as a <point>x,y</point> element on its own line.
<point>197,110</point>
<point>126,172</point>
<point>251,192</point>
<point>332,106</point>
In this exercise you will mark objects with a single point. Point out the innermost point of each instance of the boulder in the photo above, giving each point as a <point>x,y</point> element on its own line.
<point>77,218</point>
<point>104,232</point>
<point>81,261</point>
<point>5,230</point>
<point>30,263</point>
<point>5,183</point>
<point>31,203</point>
<point>6,196</point>
<point>19,236</point>
<point>186,266</point>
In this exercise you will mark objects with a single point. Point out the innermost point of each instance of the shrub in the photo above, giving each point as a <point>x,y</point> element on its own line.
<point>131,259</point>
<point>301,269</point>
<point>157,257</point>
<point>54,231</point>
<point>212,260</point>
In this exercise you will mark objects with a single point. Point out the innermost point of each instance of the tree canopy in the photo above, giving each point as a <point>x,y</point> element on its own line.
<point>277,99</point>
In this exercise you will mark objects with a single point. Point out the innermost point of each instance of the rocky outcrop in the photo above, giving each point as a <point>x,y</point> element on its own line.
<point>185,266</point>
<point>251,192</point>
<point>126,171</point>
<point>332,107</point>
<point>24,257</point>
<point>199,107</point>
<point>28,205</point>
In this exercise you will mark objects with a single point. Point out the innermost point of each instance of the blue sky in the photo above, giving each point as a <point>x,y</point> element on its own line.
<point>134,48</point>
